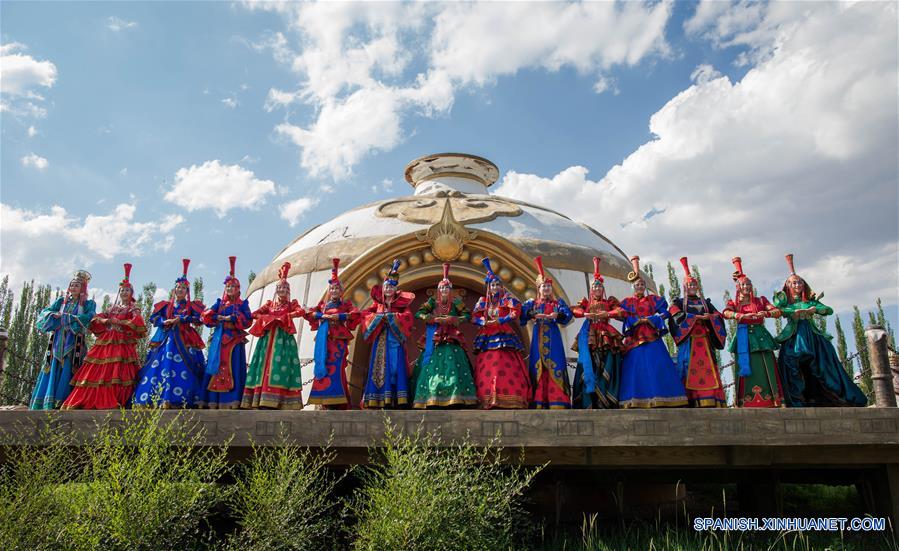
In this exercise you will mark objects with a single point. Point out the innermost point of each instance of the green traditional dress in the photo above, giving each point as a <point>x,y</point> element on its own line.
<point>812,372</point>
<point>442,375</point>
<point>753,348</point>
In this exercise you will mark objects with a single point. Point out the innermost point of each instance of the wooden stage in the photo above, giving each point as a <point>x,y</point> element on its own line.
<point>758,447</point>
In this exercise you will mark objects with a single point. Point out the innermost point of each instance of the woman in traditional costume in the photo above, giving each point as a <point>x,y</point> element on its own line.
<point>106,378</point>
<point>442,375</point>
<point>171,375</point>
<point>274,377</point>
<point>812,372</point>
<point>334,319</point>
<point>501,376</point>
<point>758,385</point>
<point>598,347</point>
<point>698,328</point>
<point>387,326</point>
<point>548,365</point>
<point>649,378</point>
<point>226,364</point>
<point>67,319</point>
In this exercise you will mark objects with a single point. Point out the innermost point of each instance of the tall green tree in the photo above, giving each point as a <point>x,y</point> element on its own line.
<point>673,284</point>
<point>250,278</point>
<point>145,300</point>
<point>861,347</point>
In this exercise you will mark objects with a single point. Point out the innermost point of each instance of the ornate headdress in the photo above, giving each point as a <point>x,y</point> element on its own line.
<point>687,275</point>
<point>283,272</point>
<point>541,273</point>
<point>446,280</point>
<point>739,276</point>
<point>335,263</point>
<point>597,277</point>
<point>393,275</point>
<point>231,278</point>
<point>807,293</point>
<point>83,277</point>
<point>126,281</point>
<point>490,277</point>
<point>634,275</point>
<point>185,262</point>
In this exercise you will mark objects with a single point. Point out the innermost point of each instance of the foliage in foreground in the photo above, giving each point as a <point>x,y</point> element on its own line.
<point>284,498</point>
<point>143,483</point>
<point>421,495</point>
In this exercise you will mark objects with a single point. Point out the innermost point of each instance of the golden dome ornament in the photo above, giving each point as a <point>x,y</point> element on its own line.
<point>447,237</point>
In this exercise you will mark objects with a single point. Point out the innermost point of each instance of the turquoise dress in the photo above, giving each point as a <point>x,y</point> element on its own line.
<point>65,352</point>
<point>812,372</point>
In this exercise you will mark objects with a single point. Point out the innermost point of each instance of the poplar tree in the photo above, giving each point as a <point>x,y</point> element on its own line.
<point>861,347</point>
<point>250,278</point>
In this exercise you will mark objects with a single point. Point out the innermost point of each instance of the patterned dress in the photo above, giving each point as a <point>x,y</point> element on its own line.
<point>332,343</point>
<point>812,372</point>
<point>64,353</point>
<point>696,341</point>
<point>226,363</point>
<point>106,378</point>
<point>501,376</point>
<point>174,367</point>
<point>274,377</point>
<point>649,378</point>
<point>759,383</point>
<point>599,347</point>
<point>442,375</point>
<point>548,365</point>
<point>387,329</point>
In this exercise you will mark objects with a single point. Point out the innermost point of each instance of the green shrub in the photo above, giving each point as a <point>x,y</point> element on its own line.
<point>31,515</point>
<point>426,495</point>
<point>284,498</point>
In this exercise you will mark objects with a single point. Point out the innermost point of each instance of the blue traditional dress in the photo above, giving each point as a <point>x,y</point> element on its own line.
<point>387,329</point>
<point>649,378</point>
<point>226,365</point>
<point>65,352</point>
<point>547,363</point>
<point>175,362</point>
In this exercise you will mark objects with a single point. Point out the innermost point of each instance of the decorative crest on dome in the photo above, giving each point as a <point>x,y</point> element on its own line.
<point>447,236</point>
<point>466,209</point>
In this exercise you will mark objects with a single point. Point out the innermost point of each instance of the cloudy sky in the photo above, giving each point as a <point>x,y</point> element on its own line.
<point>145,132</point>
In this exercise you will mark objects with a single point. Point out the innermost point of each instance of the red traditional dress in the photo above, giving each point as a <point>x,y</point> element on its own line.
<point>332,343</point>
<point>106,378</point>
<point>501,376</point>
<point>274,376</point>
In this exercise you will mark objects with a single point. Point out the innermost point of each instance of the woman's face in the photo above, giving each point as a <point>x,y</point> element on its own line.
<point>75,288</point>
<point>232,289</point>
<point>495,287</point>
<point>180,291</point>
<point>125,294</point>
<point>443,292</point>
<point>283,291</point>
<point>546,290</point>
<point>796,286</point>
<point>639,287</point>
<point>692,287</point>
<point>745,286</point>
<point>334,292</point>
<point>597,290</point>
<point>389,291</point>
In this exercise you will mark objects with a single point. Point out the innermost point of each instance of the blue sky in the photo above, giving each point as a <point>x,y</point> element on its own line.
<point>753,129</point>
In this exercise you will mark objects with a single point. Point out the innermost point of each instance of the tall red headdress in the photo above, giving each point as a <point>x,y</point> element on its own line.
<point>446,280</point>
<point>789,258</point>
<point>126,282</point>
<point>185,262</point>
<point>739,276</point>
<point>231,278</point>
<point>597,277</point>
<point>806,290</point>
<point>541,277</point>
<point>635,274</point>
<point>687,275</point>
<point>335,263</point>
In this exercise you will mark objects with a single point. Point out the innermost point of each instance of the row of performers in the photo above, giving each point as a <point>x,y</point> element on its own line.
<point>628,369</point>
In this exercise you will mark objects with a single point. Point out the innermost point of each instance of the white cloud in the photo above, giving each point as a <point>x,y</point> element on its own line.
<point>35,161</point>
<point>219,187</point>
<point>798,156</point>
<point>32,131</point>
<point>355,59</point>
<point>47,246</point>
<point>117,24</point>
<point>294,210</point>
<point>230,103</point>
<point>21,76</point>
<point>124,171</point>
